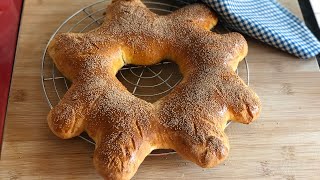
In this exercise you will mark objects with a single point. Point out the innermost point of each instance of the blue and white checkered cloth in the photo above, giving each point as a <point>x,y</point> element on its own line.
<point>269,22</point>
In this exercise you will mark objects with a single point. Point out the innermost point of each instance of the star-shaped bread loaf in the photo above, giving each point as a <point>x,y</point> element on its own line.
<point>190,120</point>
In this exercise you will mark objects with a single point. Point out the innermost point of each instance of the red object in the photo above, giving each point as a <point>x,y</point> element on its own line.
<point>10,11</point>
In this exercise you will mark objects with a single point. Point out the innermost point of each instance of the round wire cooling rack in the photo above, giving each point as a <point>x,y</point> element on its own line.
<point>146,82</point>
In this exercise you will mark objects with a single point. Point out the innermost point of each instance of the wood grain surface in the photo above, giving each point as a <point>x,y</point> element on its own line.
<point>284,143</point>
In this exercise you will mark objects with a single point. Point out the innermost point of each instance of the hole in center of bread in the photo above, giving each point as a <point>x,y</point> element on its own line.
<point>150,83</point>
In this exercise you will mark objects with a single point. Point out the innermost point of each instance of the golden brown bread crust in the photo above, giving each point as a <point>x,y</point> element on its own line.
<point>190,120</point>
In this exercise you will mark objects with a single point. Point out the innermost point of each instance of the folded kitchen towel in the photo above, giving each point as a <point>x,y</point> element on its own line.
<point>269,22</point>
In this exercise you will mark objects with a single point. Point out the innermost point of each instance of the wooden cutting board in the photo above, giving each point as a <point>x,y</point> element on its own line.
<point>283,144</point>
